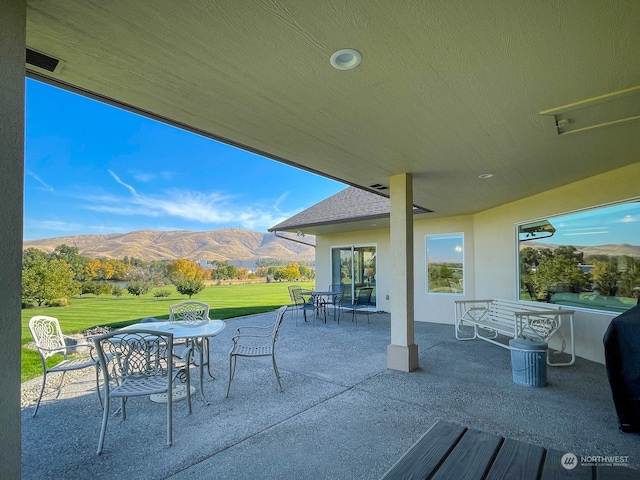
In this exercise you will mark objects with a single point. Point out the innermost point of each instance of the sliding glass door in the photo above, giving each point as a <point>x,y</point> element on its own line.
<point>355,267</point>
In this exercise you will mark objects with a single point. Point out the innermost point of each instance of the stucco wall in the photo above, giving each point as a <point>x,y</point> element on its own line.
<point>438,308</point>
<point>490,251</point>
<point>495,247</point>
<point>379,238</point>
<point>12,67</point>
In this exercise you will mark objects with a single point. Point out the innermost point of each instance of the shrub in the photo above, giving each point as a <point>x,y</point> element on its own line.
<point>161,293</point>
<point>117,291</point>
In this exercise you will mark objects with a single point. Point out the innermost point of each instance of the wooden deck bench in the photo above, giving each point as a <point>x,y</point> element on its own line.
<point>450,451</point>
<point>486,319</point>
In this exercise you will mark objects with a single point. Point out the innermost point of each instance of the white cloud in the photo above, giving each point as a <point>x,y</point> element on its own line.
<point>279,200</point>
<point>39,180</point>
<point>54,225</point>
<point>117,179</point>
<point>149,177</point>
<point>213,209</point>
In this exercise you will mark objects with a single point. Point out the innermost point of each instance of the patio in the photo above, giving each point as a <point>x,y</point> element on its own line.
<point>342,413</point>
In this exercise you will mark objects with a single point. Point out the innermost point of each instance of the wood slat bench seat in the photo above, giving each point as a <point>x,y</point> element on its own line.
<point>450,451</point>
<point>486,319</point>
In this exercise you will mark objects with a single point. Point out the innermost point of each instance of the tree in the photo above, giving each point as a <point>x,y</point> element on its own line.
<point>554,270</point>
<point>138,287</point>
<point>72,257</point>
<point>189,287</point>
<point>605,277</point>
<point>181,269</point>
<point>116,291</point>
<point>45,279</point>
<point>570,253</point>
<point>97,288</point>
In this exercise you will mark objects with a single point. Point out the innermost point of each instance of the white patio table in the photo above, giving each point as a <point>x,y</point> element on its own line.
<point>191,333</point>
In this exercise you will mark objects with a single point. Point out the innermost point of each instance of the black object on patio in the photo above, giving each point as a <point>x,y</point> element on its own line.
<point>622,358</point>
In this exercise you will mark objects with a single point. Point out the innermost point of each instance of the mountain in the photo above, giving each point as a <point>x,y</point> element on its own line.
<point>613,249</point>
<point>147,245</point>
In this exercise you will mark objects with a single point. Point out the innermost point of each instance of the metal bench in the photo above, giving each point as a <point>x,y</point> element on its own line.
<point>450,451</point>
<point>486,319</point>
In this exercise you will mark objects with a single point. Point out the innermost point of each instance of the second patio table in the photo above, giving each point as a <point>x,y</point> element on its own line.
<point>192,333</point>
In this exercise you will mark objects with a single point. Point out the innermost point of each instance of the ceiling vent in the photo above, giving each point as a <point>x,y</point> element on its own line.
<point>43,63</point>
<point>378,186</point>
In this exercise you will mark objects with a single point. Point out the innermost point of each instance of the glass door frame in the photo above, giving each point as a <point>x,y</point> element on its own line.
<point>363,270</point>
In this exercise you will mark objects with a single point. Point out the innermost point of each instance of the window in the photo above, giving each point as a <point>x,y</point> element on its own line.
<point>588,259</point>
<point>445,263</point>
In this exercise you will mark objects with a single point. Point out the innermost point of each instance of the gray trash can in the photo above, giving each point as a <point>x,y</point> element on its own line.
<point>529,362</point>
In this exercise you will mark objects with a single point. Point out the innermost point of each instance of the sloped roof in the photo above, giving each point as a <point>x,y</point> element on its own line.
<point>349,205</point>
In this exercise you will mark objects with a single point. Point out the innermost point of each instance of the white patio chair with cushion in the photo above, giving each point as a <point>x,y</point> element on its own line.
<point>50,341</point>
<point>139,363</point>
<point>256,341</point>
<point>192,314</point>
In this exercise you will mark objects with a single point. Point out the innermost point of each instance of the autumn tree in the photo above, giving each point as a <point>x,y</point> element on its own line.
<point>184,269</point>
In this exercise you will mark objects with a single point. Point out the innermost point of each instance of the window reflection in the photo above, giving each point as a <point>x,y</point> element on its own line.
<point>445,263</point>
<point>587,259</point>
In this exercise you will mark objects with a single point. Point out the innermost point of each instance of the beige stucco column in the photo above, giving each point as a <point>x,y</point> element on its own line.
<point>402,353</point>
<point>12,68</point>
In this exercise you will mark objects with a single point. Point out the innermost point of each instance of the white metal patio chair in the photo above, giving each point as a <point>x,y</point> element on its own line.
<point>139,363</point>
<point>50,341</point>
<point>256,341</point>
<point>192,314</point>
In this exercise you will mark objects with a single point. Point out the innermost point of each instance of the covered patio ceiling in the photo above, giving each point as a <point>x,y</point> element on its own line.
<point>446,91</point>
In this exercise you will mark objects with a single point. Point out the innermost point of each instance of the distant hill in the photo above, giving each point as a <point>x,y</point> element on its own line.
<point>147,245</point>
<point>614,249</point>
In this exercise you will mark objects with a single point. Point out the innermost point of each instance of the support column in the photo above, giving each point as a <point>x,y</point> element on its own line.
<point>402,353</point>
<point>13,15</point>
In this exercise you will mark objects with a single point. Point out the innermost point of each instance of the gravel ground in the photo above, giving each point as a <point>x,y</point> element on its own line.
<point>31,388</point>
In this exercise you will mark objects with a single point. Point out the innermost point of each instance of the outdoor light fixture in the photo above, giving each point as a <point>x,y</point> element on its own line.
<point>485,175</point>
<point>345,59</point>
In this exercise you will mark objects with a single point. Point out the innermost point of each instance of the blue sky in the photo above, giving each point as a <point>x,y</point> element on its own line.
<point>92,169</point>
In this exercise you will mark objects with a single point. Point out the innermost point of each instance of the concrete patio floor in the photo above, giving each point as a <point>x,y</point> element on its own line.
<point>342,414</point>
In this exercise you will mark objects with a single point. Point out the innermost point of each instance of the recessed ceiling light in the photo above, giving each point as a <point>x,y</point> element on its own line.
<point>345,59</point>
<point>485,175</point>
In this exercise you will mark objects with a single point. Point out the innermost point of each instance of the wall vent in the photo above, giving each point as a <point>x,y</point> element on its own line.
<point>41,62</point>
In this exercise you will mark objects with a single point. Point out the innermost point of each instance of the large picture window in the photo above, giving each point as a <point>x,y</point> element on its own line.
<point>445,263</point>
<point>588,259</point>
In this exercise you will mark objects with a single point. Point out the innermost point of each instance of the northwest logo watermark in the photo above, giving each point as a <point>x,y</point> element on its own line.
<point>571,461</point>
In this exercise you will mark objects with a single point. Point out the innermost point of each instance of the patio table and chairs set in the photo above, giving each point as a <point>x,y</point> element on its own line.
<point>151,358</point>
<point>331,302</point>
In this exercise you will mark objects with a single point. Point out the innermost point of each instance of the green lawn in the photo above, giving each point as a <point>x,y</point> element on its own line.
<point>226,301</point>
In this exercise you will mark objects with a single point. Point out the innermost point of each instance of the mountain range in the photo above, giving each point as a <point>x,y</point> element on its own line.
<point>148,245</point>
<point>612,250</point>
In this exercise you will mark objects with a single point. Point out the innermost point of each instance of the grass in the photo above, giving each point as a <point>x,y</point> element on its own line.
<point>226,301</point>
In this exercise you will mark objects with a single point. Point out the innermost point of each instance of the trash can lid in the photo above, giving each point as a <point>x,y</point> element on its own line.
<point>528,344</point>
